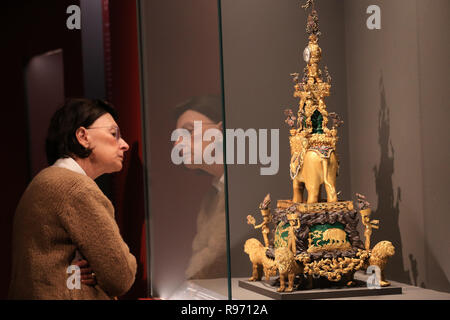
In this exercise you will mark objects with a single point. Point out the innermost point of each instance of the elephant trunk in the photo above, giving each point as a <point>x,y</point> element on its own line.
<point>331,189</point>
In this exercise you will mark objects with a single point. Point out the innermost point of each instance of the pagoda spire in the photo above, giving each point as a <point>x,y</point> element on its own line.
<point>312,113</point>
<point>311,132</point>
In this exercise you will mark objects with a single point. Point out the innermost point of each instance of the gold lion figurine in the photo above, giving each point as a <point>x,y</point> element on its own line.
<point>257,255</point>
<point>287,267</point>
<point>382,251</point>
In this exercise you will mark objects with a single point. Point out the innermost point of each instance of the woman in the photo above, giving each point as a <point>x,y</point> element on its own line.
<point>208,258</point>
<point>63,214</point>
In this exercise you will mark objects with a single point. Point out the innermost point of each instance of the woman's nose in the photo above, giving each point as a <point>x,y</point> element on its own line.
<point>124,145</point>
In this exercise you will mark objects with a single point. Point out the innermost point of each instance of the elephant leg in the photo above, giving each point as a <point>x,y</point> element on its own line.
<point>298,188</point>
<point>331,192</point>
<point>313,193</point>
<point>312,175</point>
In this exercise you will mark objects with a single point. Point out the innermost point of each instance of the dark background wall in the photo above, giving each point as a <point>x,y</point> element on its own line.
<point>397,79</point>
<point>434,74</point>
<point>28,28</point>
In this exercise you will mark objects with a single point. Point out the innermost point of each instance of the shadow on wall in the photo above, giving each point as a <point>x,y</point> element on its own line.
<point>414,271</point>
<point>388,202</point>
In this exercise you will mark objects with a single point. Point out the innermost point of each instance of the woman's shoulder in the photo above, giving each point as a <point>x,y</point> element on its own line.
<point>63,180</point>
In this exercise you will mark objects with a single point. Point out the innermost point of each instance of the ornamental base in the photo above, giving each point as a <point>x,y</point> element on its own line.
<point>360,289</point>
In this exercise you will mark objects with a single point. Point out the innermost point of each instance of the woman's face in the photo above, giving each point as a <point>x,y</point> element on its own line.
<point>107,146</point>
<point>186,121</point>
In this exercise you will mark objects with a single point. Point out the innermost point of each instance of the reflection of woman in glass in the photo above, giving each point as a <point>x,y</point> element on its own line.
<point>208,258</point>
<point>63,215</point>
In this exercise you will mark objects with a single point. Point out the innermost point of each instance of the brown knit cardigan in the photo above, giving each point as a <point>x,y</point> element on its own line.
<point>60,212</point>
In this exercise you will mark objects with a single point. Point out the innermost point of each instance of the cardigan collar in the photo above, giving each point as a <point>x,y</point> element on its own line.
<point>69,163</point>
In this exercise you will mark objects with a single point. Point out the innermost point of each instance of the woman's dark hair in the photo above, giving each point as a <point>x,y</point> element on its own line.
<point>208,105</point>
<point>61,140</point>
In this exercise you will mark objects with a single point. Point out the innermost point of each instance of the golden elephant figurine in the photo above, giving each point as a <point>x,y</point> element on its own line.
<point>313,170</point>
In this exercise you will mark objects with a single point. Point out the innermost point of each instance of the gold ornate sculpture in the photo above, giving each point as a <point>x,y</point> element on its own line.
<point>365,212</point>
<point>287,267</point>
<point>379,256</point>
<point>369,225</point>
<point>313,145</point>
<point>294,224</point>
<point>334,269</point>
<point>267,218</point>
<point>257,255</point>
<point>335,238</point>
<point>313,238</point>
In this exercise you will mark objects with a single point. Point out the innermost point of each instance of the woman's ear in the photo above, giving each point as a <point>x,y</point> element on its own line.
<point>82,137</point>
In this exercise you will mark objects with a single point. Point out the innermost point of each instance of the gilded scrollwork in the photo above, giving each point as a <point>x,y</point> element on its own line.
<point>333,269</point>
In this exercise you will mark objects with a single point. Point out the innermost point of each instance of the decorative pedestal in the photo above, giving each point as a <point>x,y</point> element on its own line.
<point>360,289</point>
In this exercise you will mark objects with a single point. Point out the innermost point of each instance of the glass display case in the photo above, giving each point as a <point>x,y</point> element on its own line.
<point>216,79</point>
<point>181,62</point>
